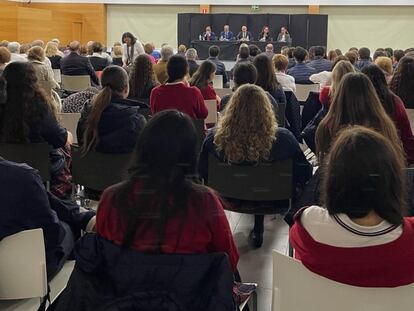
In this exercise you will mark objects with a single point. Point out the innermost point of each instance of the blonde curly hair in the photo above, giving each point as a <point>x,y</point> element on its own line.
<point>247,129</point>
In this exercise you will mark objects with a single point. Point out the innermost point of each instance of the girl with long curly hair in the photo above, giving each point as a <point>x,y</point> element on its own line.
<point>142,78</point>
<point>248,133</point>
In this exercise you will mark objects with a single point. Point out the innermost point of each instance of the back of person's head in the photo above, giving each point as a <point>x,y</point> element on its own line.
<point>300,54</point>
<point>4,55</point>
<point>385,63</point>
<point>182,49</point>
<point>51,49</point>
<point>290,52</point>
<point>389,51</point>
<point>214,51</point>
<point>117,51</point>
<point>177,68</point>
<point>352,57</point>
<point>338,52</point>
<point>353,49</point>
<point>364,174</point>
<point>55,40</point>
<point>74,46</point>
<point>379,53</point>
<point>364,53</point>
<point>377,77</point>
<point>191,54</point>
<point>148,48</point>
<point>355,102</point>
<point>285,51</point>
<point>97,47</point>
<point>409,50</point>
<point>402,82</point>
<point>339,70</point>
<point>14,47</point>
<point>203,76</point>
<point>130,36</point>
<point>332,55</point>
<point>254,50</point>
<point>237,137</point>
<point>39,43</point>
<point>338,59</point>
<point>36,53</point>
<point>280,62</point>
<point>244,51</point>
<point>4,43</point>
<point>244,73</point>
<point>266,76</point>
<point>114,81</point>
<point>166,52</point>
<point>319,51</point>
<point>164,163</point>
<point>398,54</point>
<point>26,103</point>
<point>311,53</point>
<point>141,76</point>
<point>24,48</point>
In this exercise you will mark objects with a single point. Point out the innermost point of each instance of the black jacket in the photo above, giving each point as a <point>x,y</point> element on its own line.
<point>99,63</point>
<point>192,67</point>
<point>108,277</point>
<point>55,61</point>
<point>220,69</point>
<point>77,65</point>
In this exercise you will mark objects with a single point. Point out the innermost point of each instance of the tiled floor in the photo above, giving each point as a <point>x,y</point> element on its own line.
<point>255,265</point>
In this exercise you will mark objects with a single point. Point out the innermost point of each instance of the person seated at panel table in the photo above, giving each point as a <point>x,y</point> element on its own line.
<point>208,35</point>
<point>265,34</point>
<point>244,35</point>
<point>226,34</point>
<point>284,35</point>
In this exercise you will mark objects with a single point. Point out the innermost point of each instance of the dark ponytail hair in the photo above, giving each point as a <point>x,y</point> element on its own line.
<point>177,68</point>
<point>202,75</point>
<point>114,80</point>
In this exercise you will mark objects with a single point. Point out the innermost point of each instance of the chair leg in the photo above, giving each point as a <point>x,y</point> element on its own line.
<point>254,301</point>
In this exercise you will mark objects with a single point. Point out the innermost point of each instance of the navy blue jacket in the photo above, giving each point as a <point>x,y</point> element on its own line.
<point>230,35</point>
<point>77,65</point>
<point>119,126</point>
<point>363,63</point>
<point>301,72</point>
<point>220,69</point>
<point>320,64</point>
<point>124,279</point>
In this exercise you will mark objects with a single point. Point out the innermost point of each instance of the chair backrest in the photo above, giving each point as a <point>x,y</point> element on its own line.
<point>35,155</point>
<point>410,113</point>
<point>75,83</point>
<point>223,92</point>
<point>218,82</point>
<point>266,181</point>
<point>311,108</point>
<point>302,91</point>
<point>97,170</point>
<point>280,115</point>
<point>200,129</point>
<point>297,288</point>
<point>212,111</point>
<point>57,75</point>
<point>70,122</point>
<point>23,265</point>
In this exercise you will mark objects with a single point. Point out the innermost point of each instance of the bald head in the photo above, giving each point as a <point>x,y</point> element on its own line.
<point>74,46</point>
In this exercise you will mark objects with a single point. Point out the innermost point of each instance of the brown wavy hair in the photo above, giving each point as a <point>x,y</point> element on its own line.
<point>142,77</point>
<point>247,129</point>
<point>402,83</point>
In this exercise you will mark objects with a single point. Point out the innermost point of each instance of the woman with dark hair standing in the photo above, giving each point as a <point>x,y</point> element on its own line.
<point>160,208</point>
<point>359,235</point>
<point>132,48</point>
<point>203,78</point>
<point>110,123</point>
<point>394,107</point>
<point>402,83</point>
<point>141,78</point>
<point>28,116</point>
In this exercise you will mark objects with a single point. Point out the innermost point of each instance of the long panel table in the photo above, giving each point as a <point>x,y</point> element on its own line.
<point>230,49</point>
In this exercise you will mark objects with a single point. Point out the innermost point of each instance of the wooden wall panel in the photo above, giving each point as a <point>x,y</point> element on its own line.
<point>8,17</point>
<point>33,22</point>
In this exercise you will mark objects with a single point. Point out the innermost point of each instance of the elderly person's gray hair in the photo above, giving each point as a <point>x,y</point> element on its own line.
<point>166,52</point>
<point>191,54</point>
<point>14,47</point>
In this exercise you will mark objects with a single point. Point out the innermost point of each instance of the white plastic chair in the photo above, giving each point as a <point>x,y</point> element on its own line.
<point>295,288</point>
<point>223,92</point>
<point>303,90</point>
<point>218,82</point>
<point>212,111</point>
<point>75,83</point>
<point>57,75</point>
<point>70,122</point>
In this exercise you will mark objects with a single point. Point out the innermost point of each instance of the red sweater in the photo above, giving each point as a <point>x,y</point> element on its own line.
<point>403,126</point>
<point>205,229</point>
<point>324,97</point>
<point>386,265</point>
<point>187,99</point>
<point>209,93</point>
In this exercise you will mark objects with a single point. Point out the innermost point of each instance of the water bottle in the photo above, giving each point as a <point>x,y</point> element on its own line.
<point>200,37</point>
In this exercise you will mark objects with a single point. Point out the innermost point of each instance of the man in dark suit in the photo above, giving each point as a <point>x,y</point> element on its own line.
<point>301,72</point>
<point>244,35</point>
<point>76,65</point>
<point>208,35</point>
<point>319,62</point>
<point>226,34</point>
<point>213,53</point>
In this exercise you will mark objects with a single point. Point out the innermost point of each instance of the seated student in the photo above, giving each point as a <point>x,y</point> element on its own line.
<point>238,140</point>
<point>202,79</point>
<point>364,58</point>
<point>280,62</point>
<point>213,53</point>
<point>160,68</point>
<point>141,79</point>
<point>402,83</point>
<point>254,51</point>
<point>244,54</point>
<point>117,52</point>
<point>110,123</point>
<point>324,78</point>
<point>301,71</point>
<point>394,107</point>
<point>385,63</point>
<point>320,63</point>
<point>75,102</point>
<point>185,217</point>
<point>176,93</point>
<point>28,116</point>
<point>99,59</point>
<point>191,56</point>
<point>396,57</point>
<point>149,48</point>
<point>52,52</point>
<point>359,235</point>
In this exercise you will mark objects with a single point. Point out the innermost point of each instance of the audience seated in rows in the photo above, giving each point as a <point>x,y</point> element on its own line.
<point>99,59</point>
<point>53,54</point>
<point>160,68</point>
<point>141,79</point>
<point>191,56</point>
<point>238,140</point>
<point>203,78</point>
<point>280,62</point>
<point>402,83</point>
<point>110,123</point>
<point>301,71</point>
<point>359,235</point>
<point>176,93</point>
<point>28,116</point>
<point>76,65</point>
<point>213,54</point>
<point>75,102</point>
<point>4,58</point>
<point>320,63</point>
